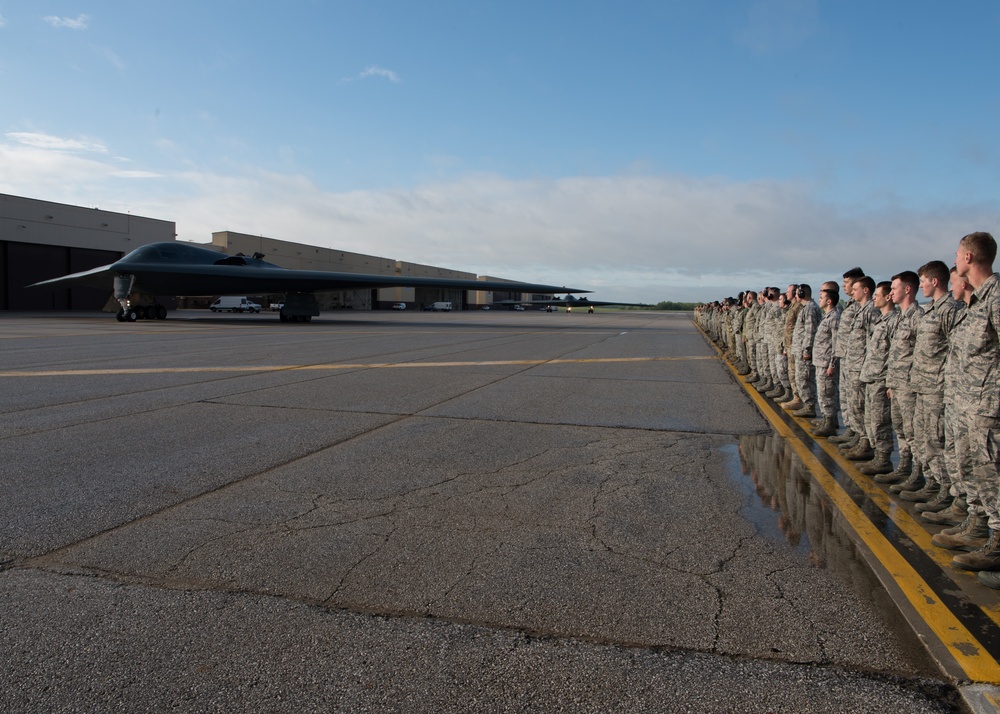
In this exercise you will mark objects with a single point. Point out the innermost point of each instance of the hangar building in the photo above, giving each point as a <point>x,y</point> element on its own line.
<point>41,240</point>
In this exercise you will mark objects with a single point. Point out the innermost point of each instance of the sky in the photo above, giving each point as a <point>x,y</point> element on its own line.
<point>644,150</point>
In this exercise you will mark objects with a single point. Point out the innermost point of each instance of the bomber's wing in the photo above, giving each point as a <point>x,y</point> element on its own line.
<point>183,269</point>
<point>570,301</point>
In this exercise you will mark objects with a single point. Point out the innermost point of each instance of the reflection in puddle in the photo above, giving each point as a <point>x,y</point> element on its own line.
<point>788,507</point>
<point>764,482</point>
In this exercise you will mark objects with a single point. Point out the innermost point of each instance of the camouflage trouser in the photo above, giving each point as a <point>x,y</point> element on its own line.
<point>781,363</point>
<point>856,402</point>
<point>741,349</point>
<point>844,388</point>
<point>792,380</point>
<point>828,391</point>
<point>928,436</point>
<point>958,423</point>
<point>984,437</point>
<point>764,361</point>
<point>903,405</point>
<point>805,376</point>
<point>878,421</point>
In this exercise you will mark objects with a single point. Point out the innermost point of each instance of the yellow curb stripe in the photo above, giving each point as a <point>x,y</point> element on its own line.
<point>965,649</point>
<point>907,523</point>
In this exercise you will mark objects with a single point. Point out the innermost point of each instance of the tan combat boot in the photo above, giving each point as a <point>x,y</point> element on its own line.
<point>827,428</point>
<point>862,452</point>
<point>879,465</point>
<point>792,405</point>
<point>986,558</point>
<point>951,516</point>
<point>973,536</point>
<point>900,472</point>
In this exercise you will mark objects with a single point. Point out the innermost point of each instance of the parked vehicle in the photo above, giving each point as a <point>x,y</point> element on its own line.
<point>229,303</point>
<point>399,306</point>
<point>441,307</point>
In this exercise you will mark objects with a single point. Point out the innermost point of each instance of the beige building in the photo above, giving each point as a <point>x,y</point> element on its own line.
<point>41,240</point>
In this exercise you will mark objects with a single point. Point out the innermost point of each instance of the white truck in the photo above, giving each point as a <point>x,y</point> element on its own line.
<point>441,307</point>
<point>234,304</point>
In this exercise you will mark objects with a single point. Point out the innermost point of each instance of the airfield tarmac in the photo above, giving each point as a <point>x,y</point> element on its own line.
<point>430,511</point>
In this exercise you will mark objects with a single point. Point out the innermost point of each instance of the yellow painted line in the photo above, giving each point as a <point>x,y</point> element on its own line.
<point>908,524</point>
<point>965,649</point>
<point>333,367</point>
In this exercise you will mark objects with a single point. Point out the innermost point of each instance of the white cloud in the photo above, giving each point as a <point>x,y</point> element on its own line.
<point>632,238</point>
<point>112,57</point>
<point>375,71</point>
<point>55,143</point>
<point>3,21</point>
<point>78,23</point>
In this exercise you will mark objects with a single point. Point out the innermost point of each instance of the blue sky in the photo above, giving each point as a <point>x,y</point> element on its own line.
<point>645,150</point>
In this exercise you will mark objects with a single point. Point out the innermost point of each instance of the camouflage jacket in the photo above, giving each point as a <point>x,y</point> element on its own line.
<point>901,341</point>
<point>931,346</point>
<point>954,363</point>
<point>854,350</point>
<point>874,367</point>
<point>805,328</point>
<point>791,316</point>
<point>826,335</point>
<point>979,349</point>
<point>750,323</point>
<point>739,314</point>
<point>846,324</point>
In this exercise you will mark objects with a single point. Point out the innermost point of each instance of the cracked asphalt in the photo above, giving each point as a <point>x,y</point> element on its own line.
<point>398,512</point>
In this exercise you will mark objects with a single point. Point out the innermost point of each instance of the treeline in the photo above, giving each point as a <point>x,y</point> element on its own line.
<point>667,305</point>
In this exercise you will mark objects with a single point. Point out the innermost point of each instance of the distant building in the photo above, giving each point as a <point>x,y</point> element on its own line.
<point>41,240</point>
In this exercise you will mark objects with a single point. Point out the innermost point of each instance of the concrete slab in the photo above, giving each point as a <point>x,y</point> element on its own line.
<point>91,643</point>
<point>454,535</point>
<point>63,487</point>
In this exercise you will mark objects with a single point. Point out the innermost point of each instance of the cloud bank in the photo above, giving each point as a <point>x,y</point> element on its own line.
<point>630,238</point>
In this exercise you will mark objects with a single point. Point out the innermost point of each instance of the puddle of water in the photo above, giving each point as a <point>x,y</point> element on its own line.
<point>764,486</point>
<point>787,507</point>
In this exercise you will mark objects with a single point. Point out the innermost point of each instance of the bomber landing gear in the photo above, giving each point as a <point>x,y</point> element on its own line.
<point>299,307</point>
<point>142,312</point>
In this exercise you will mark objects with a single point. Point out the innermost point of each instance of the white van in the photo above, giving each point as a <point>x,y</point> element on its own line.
<point>234,304</point>
<point>441,307</point>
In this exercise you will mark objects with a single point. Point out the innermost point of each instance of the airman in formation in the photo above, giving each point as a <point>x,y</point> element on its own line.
<point>918,380</point>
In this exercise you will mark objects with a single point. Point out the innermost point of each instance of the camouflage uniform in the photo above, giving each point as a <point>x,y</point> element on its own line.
<point>764,341</point>
<point>822,358</point>
<point>802,341</point>
<point>957,409</point>
<point>979,400</point>
<point>739,315</point>
<point>853,359</point>
<point>846,325</point>
<point>750,334</point>
<point>904,399</point>
<point>927,379</point>
<point>791,315</point>
<point>874,368</point>
<point>778,367</point>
